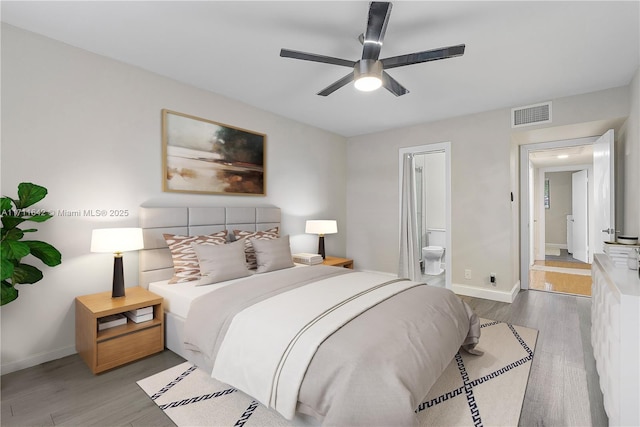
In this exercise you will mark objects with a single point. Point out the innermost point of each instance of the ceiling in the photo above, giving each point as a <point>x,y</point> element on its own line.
<point>566,156</point>
<point>517,53</point>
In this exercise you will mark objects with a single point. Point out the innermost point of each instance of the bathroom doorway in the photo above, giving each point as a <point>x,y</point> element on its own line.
<point>432,164</point>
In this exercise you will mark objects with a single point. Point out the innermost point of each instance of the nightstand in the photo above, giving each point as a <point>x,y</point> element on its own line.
<point>338,262</point>
<point>112,347</point>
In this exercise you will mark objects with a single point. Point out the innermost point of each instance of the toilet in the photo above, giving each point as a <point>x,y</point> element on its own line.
<point>433,253</point>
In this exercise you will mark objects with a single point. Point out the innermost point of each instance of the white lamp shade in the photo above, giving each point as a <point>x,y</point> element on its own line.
<point>116,240</point>
<point>321,226</point>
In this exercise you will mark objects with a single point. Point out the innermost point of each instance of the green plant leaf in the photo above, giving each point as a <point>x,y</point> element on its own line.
<point>12,221</point>
<point>9,293</point>
<point>40,218</point>
<point>6,204</point>
<point>45,252</point>
<point>25,273</point>
<point>6,268</point>
<point>29,194</point>
<point>14,234</point>
<point>14,250</point>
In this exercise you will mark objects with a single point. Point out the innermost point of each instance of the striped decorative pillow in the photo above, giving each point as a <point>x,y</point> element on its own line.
<point>249,252</point>
<point>185,260</point>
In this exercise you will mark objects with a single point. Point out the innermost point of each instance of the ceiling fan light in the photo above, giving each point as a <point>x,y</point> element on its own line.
<point>367,75</point>
<point>368,83</point>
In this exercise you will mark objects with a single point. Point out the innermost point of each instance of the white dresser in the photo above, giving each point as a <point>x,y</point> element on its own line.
<point>615,336</point>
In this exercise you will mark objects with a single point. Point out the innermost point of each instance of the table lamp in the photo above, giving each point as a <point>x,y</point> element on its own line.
<point>117,240</point>
<point>321,227</point>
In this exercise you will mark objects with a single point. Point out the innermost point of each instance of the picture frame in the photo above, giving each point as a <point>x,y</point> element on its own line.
<point>547,197</point>
<point>207,157</point>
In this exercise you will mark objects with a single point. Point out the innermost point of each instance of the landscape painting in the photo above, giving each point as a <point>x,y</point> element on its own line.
<point>202,156</point>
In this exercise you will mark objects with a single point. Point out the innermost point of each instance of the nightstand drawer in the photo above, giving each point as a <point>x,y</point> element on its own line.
<point>126,348</point>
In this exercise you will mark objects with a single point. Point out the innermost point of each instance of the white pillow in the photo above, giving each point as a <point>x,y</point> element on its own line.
<point>185,262</point>
<point>248,237</point>
<point>273,254</point>
<point>219,263</point>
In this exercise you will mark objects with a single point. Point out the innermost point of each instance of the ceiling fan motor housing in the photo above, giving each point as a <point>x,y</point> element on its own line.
<point>367,74</point>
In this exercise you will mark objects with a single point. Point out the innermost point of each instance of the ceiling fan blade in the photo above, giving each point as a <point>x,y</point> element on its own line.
<point>392,85</point>
<point>337,85</point>
<point>379,13</point>
<point>427,55</point>
<point>286,53</point>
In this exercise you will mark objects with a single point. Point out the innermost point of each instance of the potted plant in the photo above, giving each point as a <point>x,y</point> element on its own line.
<point>13,248</point>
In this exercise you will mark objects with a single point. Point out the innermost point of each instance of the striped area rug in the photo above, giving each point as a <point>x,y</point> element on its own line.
<point>485,390</point>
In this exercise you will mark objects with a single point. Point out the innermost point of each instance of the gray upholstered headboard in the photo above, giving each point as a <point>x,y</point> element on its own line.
<point>155,259</point>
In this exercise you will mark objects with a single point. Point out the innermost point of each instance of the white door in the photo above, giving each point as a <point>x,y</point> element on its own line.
<point>604,191</point>
<point>579,206</point>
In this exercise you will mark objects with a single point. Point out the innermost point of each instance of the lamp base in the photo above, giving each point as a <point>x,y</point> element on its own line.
<point>118,278</point>
<point>321,246</point>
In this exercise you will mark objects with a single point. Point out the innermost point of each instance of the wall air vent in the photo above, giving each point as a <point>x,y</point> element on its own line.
<point>531,115</point>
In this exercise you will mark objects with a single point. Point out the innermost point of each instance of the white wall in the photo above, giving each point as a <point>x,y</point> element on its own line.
<point>433,188</point>
<point>484,173</point>
<point>555,223</point>
<point>630,152</point>
<point>88,128</point>
<point>435,175</point>
<point>480,188</point>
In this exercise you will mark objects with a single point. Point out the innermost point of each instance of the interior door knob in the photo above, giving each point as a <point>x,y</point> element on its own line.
<point>610,231</point>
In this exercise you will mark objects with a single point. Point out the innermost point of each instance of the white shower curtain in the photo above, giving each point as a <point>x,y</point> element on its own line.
<point>409,252</point>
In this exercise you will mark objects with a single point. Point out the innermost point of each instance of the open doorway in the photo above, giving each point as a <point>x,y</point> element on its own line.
<point>561,216</point>
<point>562,260</point>
<point>432,175</point>
<point>564,215</point>
<point>601,204</point>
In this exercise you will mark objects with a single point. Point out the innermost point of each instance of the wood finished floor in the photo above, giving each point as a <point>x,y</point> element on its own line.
<point>566,283</point>
<point>562,390</point>
<point>563,276</point>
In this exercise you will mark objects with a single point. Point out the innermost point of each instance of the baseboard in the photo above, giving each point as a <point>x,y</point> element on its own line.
<point>37,359</point>
<point>473,291</point>
<point>487,293</point>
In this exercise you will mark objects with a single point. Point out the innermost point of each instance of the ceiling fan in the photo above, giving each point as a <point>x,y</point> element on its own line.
<point>369,72</point>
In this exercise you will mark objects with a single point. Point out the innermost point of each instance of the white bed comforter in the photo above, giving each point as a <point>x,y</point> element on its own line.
<point>269,345</point>
<point>373,370</point>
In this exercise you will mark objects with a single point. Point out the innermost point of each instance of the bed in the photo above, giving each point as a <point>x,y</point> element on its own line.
<point>341,347</point>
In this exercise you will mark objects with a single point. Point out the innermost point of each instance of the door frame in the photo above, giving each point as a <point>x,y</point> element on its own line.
<point>526,222</point>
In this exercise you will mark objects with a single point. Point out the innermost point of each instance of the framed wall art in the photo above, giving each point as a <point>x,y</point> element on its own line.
<point>203,156</point>
<point>547,197</point>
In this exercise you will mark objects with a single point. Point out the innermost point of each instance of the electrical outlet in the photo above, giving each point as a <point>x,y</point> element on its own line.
<point>492,278</point>
<point>467,274</point>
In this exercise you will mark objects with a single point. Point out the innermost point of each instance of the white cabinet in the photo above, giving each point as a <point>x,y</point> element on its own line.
<point>615,336</point>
